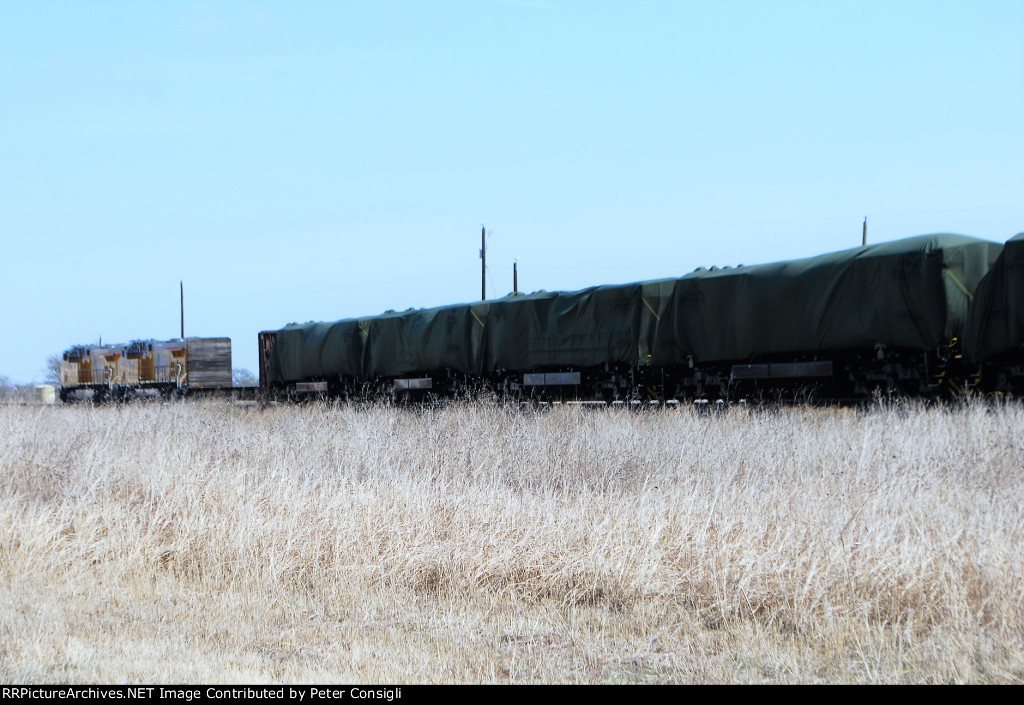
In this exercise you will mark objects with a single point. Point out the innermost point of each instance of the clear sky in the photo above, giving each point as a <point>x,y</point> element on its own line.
<point>296,161</point>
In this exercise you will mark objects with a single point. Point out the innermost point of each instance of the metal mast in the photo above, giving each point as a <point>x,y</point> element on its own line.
<point>483,263</point>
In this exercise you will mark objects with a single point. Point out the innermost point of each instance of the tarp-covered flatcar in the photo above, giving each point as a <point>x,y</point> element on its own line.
<point>996,325</point>
<point>910,294</point>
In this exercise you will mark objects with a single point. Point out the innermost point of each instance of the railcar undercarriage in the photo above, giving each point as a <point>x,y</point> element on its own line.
<point>844,377</point>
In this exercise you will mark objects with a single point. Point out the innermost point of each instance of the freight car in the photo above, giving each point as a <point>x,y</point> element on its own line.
<point>994,336</point>
<point>882,317</point>
<point>120,372</point>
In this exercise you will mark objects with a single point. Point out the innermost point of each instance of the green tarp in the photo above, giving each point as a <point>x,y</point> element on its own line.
<point>601,325</point>
<point>422,340</point>
<point>614,324</point>
<point>996,323</point>
<point>319,350</point>
<point>911,293</point>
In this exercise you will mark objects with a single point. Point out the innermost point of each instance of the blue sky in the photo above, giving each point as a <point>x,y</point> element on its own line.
<point>295,161</point>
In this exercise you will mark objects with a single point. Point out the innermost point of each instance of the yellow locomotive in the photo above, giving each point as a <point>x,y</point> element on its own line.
<point>145,367</point>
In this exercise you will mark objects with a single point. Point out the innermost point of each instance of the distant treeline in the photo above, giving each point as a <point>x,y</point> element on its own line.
<point>16,392</point>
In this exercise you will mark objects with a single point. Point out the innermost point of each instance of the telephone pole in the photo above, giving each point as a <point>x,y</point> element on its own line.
<point>483,263</point>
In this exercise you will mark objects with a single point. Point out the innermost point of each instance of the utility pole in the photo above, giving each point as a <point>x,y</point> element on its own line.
<point>515,277</point>
<point>864,234</point>
<point>182,285</point>
<point>483,263</point>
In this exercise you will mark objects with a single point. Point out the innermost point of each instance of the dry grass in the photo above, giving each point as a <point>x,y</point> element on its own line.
<point>205,542</point>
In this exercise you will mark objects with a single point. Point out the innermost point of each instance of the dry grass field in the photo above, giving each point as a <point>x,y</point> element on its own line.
<point>210,543</point>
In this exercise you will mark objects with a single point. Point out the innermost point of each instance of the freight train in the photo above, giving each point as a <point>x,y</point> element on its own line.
<point>925,316</point>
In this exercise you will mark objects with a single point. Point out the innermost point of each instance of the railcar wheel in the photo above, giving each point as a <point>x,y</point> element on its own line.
<point>1004,381</point>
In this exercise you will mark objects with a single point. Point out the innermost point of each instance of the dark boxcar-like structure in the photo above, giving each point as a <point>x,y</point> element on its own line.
<point>885,316</point>
<point>994,335</point>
